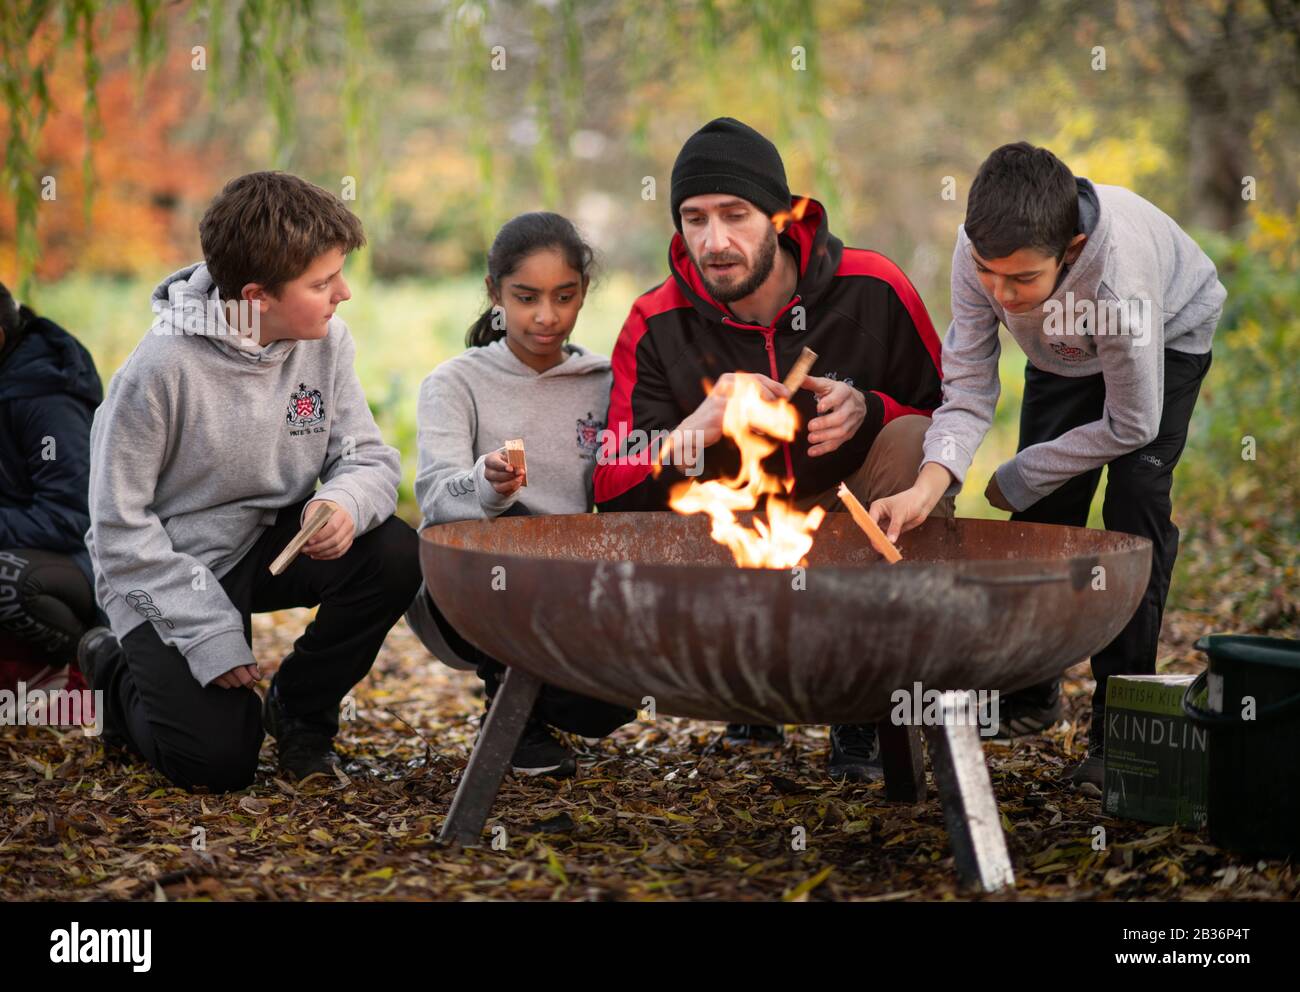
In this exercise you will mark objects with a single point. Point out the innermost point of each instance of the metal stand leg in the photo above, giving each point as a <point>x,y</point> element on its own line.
<point>487,764</point>
<point>903,761</point>
<point>966,792</point>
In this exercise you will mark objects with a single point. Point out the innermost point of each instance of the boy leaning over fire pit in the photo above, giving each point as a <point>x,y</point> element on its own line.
<point>1115,307</point>
<point>204,458</point>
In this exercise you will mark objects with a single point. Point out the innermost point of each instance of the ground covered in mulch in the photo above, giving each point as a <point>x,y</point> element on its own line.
<point>654,814</point>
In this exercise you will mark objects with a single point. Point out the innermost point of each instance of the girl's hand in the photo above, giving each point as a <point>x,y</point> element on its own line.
<point>505,478</point>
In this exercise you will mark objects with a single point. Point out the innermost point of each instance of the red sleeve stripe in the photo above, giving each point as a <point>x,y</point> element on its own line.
<point>862,262</point>
<point>613,477</point>
<point>895,409</point>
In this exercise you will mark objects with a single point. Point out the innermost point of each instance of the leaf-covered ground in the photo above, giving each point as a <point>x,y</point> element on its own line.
<point>654,813</point>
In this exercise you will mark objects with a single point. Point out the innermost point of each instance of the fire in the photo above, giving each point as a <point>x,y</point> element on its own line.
<point>756,425</point>
<point>783,217</point>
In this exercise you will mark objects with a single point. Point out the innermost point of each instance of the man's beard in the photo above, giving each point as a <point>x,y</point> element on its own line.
<point>730,292</point>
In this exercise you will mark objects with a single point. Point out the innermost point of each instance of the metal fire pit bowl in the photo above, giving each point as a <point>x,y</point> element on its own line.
<point>628,605</point>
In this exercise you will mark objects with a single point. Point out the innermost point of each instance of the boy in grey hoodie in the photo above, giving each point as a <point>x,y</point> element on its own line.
<point>204,458</point>
<point>1115,307</point>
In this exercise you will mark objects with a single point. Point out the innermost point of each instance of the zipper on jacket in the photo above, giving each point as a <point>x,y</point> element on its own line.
<point>769,335</point>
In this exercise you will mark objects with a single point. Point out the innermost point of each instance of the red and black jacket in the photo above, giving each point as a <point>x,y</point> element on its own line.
<point>861,316</point>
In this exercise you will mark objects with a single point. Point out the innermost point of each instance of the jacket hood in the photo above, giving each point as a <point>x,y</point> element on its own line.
<point>580,361</point>
<point>187,303</point>
<point>807,233</point>
<point>47,359</point>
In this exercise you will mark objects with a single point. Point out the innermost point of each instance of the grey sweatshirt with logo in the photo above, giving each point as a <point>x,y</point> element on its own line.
<point>1139,286</point>
<point>472,404</point>
<point>204,436</point>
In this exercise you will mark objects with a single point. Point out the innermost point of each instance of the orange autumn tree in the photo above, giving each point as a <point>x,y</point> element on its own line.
<point>145,181</point>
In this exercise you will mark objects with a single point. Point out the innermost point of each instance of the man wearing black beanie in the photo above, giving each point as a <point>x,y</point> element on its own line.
<point>756,276</point>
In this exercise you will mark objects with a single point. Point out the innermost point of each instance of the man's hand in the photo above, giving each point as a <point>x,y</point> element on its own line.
<point>240,675</point>
<point>334,539</point>
<point>911,507</point>
<point>505,478</point>
<point>994,495</point>
<point>707,418</point>
<point>840,411</point>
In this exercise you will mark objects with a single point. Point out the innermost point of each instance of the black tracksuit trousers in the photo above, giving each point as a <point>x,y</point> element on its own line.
<point>1137,498</point>
<point>211,736</point>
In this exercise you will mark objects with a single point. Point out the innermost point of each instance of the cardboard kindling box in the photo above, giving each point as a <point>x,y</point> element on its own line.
<point>1157,767</point>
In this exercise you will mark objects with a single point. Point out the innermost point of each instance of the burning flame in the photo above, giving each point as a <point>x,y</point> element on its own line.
<point>785,537</point>
<point>782,218</point>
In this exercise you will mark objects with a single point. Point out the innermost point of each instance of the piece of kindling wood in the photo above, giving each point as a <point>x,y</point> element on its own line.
<point>515,455</point>
<point>874,534</point>
<point>799,371</point>
<point>319,517</point>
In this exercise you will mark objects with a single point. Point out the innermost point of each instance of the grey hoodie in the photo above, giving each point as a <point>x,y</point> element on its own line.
<point>472,404</point>
<point>203,437</point>
<point>1148,286</point>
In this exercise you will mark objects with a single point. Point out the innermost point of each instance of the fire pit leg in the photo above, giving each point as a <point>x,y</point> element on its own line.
<point>969,807</point>
<point>487,764</point>
<point>903,761</point>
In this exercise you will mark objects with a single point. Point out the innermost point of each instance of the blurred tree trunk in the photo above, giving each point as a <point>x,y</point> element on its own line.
<point>1237,57</point>
<point>1218,137</point>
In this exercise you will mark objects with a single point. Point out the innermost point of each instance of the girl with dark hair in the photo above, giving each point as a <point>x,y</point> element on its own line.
<point>520,377</point>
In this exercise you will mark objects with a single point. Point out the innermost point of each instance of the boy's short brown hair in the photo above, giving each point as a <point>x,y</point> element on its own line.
<point>267,227</point>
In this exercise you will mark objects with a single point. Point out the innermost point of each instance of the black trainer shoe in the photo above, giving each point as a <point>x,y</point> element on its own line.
<point>540,752</point>
<point>753,734</point>
<point>304,750</point>
<point>855,753</point>
<point>96,645</point>
<point>1029,711</point>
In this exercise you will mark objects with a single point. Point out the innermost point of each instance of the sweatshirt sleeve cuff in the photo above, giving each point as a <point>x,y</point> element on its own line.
<point>492,502</point>
<point>344,499</point>
<point>218,654</point>
<point>1013,486</point>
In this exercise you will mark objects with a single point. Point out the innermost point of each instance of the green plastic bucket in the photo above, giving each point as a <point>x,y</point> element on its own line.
<point>1251,691</point>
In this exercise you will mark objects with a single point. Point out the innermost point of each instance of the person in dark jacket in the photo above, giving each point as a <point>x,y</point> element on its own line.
<point>48,393</point>
<point>756,276</point>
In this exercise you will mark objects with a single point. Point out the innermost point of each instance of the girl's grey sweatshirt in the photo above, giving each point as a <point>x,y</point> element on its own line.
<point>203,438</point>
<point>1139,286</point>
<point>472,404</point>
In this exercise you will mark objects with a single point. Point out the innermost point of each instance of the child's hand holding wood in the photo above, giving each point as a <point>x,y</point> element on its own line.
<point>505,478</point>
<point>334,539</point>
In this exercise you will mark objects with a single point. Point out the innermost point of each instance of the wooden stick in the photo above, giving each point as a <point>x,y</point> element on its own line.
<point>315,522</point>
<point>874,534</point>
<point>515,454</point>
<point>799,372</point>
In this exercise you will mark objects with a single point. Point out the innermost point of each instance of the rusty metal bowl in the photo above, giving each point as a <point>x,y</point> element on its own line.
<point>627,605</point>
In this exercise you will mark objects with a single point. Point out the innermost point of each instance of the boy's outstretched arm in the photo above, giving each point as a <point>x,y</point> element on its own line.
<point>970,395</point>
<point>360,472</point>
